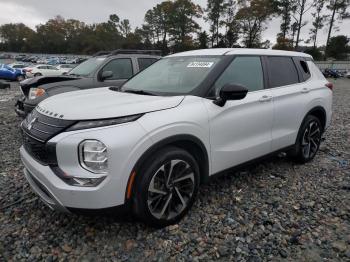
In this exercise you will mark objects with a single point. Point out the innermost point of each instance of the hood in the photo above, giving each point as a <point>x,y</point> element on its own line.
<point>102,103</point>
<point>47,82</point>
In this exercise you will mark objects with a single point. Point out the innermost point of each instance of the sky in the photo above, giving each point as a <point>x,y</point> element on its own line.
<point>33,12</point>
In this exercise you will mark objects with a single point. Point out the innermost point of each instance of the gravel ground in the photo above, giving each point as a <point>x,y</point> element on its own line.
<point>275,210</point>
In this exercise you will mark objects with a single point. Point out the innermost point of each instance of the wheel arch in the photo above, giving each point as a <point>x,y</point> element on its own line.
<point>190,143</point>
<point>317,111</point>
<point>320,113</point>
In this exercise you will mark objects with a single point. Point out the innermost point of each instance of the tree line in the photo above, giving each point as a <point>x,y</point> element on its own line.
<point>172,26</point>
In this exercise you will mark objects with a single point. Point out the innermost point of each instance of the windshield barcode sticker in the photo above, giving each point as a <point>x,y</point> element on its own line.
<point>201,64</point>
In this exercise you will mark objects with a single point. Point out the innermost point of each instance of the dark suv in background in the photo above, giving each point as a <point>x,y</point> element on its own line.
<point>103,69</point>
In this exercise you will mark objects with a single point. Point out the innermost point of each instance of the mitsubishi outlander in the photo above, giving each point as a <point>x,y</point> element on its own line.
<point>149,144</point>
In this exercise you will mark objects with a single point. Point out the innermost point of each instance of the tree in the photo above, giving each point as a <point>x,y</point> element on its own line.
<point>215,10</point>
<point>231,25</point>
<point>125,27</point>
<point>294,28</point>
<point>252,17</point>
<point>183,24</point>
<point>301,8</point>
<point>318,22</point>
<point>285,8</point>
<point>16,37</point>
<point>314,52</point>
<point>283,44</point>
<point>158,21</point>
<point>338,47</point>
<point>203,40</point>
<point>337,7</point>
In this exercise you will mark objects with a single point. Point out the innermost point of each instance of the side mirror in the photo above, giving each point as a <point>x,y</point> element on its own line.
<point>231,92</point>
<point>105,75</point>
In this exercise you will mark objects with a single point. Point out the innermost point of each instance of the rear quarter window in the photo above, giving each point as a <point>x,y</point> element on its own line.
<point>303,68</point>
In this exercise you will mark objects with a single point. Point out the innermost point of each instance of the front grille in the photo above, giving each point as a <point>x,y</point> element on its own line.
<point>37,129</point>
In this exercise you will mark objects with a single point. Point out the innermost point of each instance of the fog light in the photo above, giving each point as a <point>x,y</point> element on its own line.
<point>93,156</point>
<point>85,182</point>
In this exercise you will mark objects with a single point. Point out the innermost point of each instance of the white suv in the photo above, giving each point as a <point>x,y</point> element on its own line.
<point>149,145</point>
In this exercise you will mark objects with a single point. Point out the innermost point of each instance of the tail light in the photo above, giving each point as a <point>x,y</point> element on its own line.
<point>28,70</point>
<point>330,86</point>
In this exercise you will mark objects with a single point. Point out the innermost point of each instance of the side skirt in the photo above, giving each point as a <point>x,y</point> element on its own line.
<point>249,163</point>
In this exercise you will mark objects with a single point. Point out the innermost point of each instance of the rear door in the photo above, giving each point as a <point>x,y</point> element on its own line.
<point>290,95</point>
<point>241,130</point>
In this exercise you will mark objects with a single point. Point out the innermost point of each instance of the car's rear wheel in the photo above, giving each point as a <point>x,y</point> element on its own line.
<point>37,74</point>
<point>166,187</point>
<point>309,140</point>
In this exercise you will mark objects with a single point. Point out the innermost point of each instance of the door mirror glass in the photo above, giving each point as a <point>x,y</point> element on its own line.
<point>106,74</point>
<point>231,92</point>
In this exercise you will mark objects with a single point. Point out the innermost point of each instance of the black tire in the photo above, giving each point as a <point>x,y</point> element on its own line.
<point>308,142</point>
<point>152,177</point>
<point>37,74</point>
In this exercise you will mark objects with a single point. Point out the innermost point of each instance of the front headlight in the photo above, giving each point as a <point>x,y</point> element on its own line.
<point>85,124</point>
<point>35,92</point>
<point>93,156</point>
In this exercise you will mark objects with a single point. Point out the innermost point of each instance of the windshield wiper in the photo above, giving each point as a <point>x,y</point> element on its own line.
<point>139,92</point>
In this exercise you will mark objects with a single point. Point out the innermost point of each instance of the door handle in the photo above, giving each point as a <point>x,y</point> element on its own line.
<point>265,98</point>
<point>305,90</point>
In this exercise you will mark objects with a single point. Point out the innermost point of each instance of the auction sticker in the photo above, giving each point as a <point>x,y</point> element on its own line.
<point>201,64</point>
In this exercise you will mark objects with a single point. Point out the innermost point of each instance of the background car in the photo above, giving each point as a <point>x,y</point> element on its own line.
<point>104,69</point>
<point>331,73</point>
<point>42,70</point>
<point>9,73</point>
<point>17,65</point>
<point>65,68</point>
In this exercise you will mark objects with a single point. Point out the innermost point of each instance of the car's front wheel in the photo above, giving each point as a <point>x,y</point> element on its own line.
<point>309,140</point>
<point>166,187</point>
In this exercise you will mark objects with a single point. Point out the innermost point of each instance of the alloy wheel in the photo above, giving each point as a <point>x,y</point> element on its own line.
<point>311,140</point>
<point>171,189</point>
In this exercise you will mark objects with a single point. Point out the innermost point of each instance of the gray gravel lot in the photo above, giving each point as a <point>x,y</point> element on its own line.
<point>275,210</point>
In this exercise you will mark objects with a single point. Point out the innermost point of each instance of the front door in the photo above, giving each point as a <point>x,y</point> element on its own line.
<point>122,70</point>
<point>241,130</point>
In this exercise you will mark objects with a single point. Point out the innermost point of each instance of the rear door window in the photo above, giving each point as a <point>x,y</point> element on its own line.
<point>145,62</point>
<point>282,71</point>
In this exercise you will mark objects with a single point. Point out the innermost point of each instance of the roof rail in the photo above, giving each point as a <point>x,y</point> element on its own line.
<point>101,53</point>
<point>129,51</point>
<point>132,51</point>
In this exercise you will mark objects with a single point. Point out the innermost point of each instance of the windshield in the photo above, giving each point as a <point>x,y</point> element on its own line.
<point>174,75</point>
<point>86,68</point>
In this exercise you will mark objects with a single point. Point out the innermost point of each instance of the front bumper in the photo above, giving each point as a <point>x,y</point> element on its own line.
<point>58,195</point>
<point>43,192</point>
<point>22,109</point>
<point>126,143</point>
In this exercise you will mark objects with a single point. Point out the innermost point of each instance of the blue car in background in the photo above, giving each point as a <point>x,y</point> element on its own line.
<point>9,73</point>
